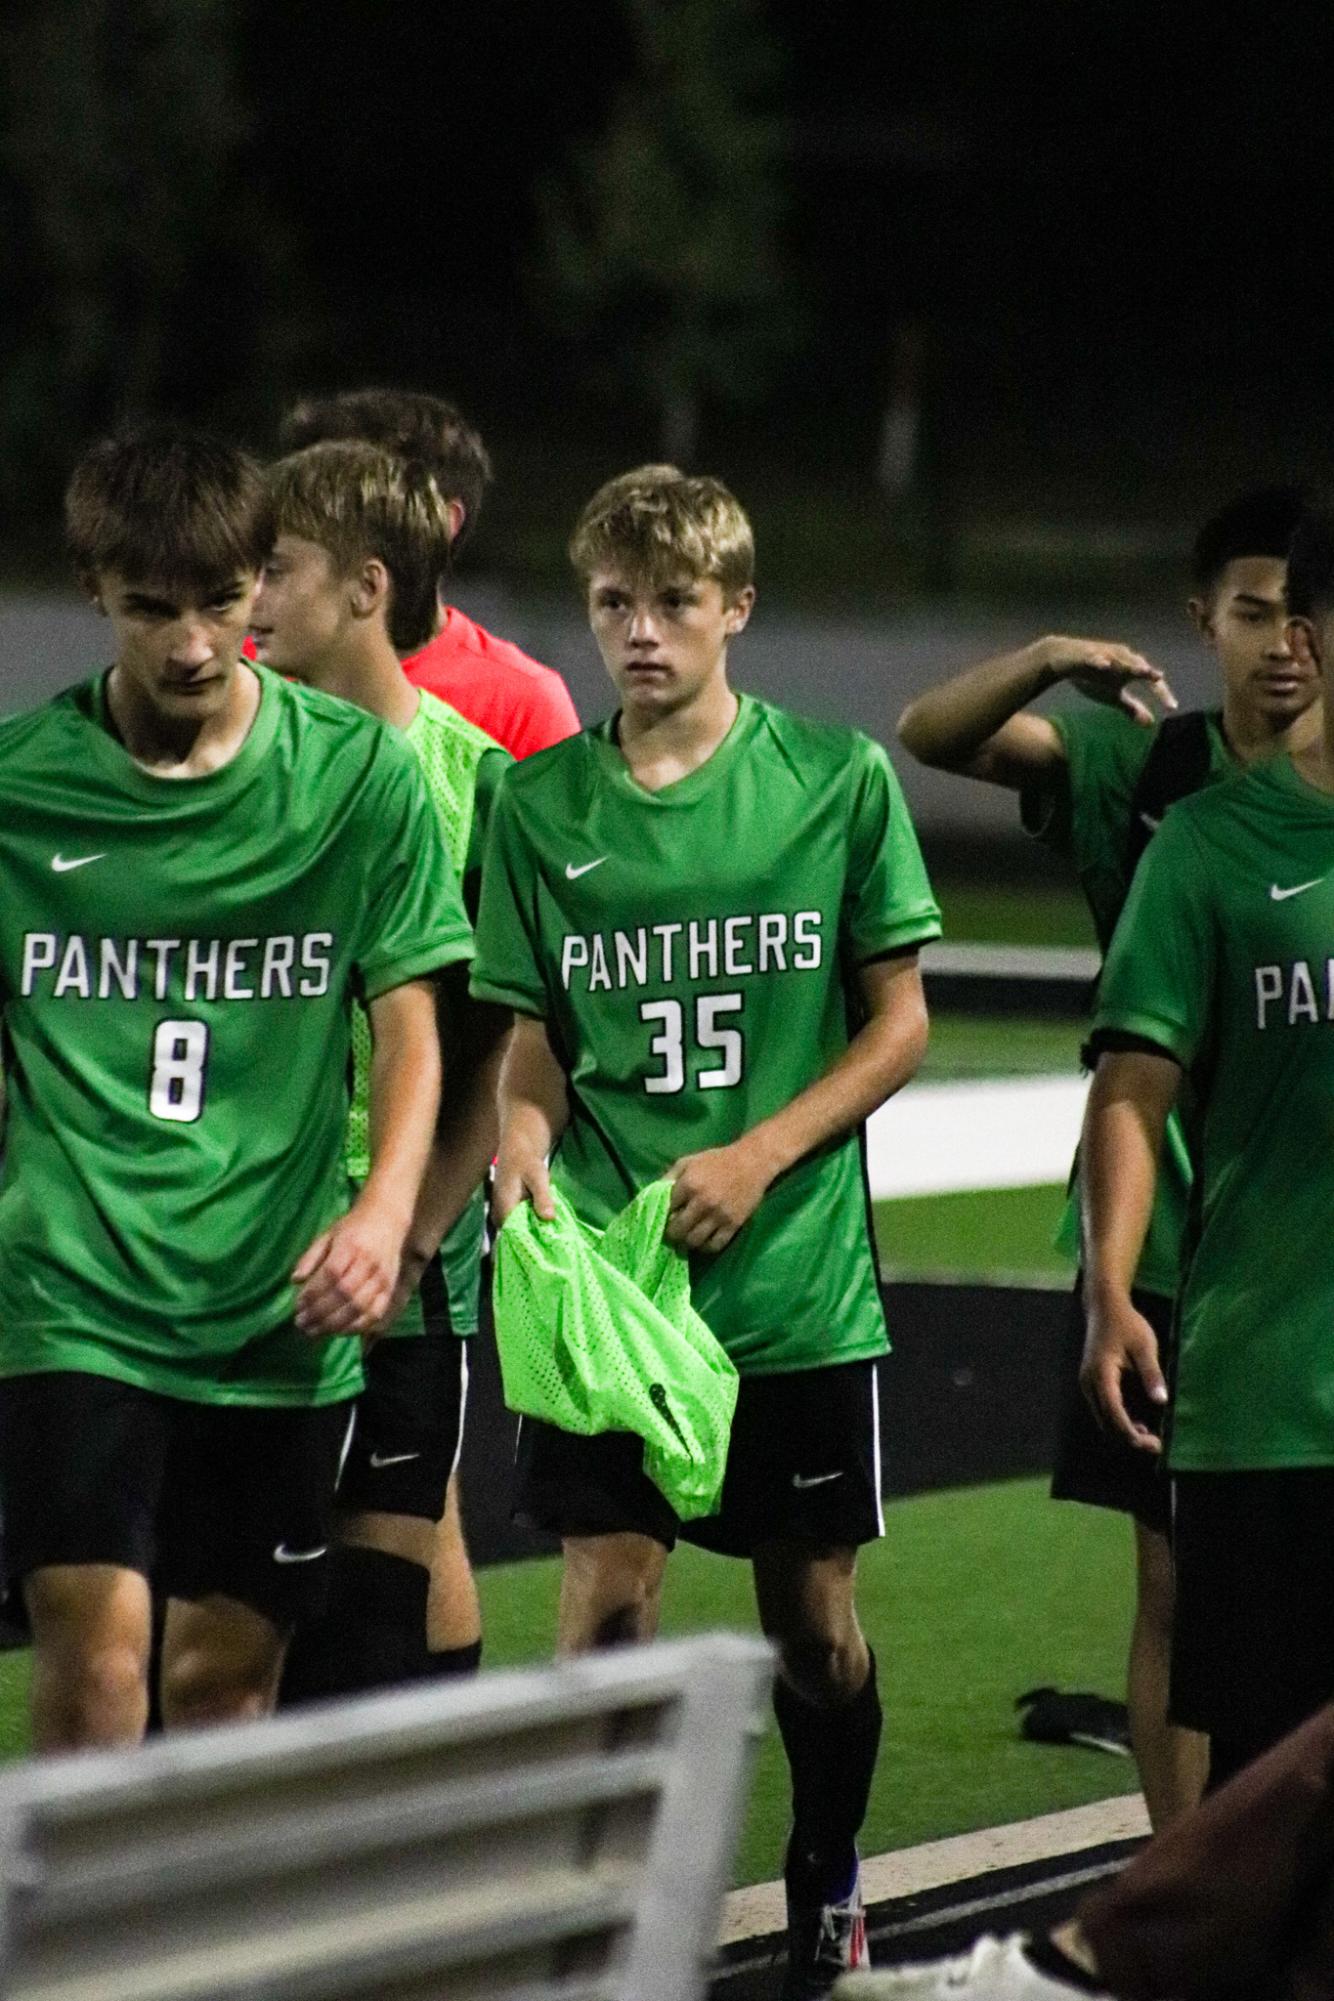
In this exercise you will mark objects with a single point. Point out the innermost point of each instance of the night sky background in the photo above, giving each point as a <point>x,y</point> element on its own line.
<point>1089,242</point>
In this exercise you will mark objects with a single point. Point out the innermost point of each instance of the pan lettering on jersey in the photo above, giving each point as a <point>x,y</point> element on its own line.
<point>1300,992</point>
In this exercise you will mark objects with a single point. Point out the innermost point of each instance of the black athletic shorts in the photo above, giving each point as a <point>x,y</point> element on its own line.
<point>1098,1466</point>
<point>1253,1635</point>
<point>408,1430</point>
<point>803,1466</point>
<point>202,1498</point>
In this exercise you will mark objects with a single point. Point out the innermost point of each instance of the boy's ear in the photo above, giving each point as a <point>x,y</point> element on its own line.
<point>1201,617</point>
<point>1303,637</point>
<point>92,590</point>
<point>370,588</point>
<point>738,610</point>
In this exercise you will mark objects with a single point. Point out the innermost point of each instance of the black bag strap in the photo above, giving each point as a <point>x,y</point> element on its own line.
<point>1177,765</point>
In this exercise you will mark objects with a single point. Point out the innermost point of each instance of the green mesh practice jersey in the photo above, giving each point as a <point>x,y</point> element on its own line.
<point>1083,811</point>
<point>693,952</point>
<point>178,960</point>
<point>462,767</point>
<point>1225,958</point>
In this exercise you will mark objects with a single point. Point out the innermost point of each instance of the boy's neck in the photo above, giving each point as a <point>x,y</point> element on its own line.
<point>371,676</point>
<point>180,746</point>
<point>660,749</point>
<point>1252,737</point>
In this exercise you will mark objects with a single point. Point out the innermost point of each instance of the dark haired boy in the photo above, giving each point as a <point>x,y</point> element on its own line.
<point>706,915</point>
<point>1221,972</point>
<point>516,700</point>
<point>1094,784</point>
<point>202,864</point>
<point>349,588</point>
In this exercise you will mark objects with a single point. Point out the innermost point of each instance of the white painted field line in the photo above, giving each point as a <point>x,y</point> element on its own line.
<point>758,1911</point>
<point>934,1139</point>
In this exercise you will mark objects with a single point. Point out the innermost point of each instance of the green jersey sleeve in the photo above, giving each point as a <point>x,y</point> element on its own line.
<point>507,968</point>
<point>414,920</point>
<point>491,768</point>
<point>1160,971</point>
<point>1081,809</point>
<point>888,903</point>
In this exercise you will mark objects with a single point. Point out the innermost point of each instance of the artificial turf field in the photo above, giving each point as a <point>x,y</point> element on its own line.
<point>973,1596</point>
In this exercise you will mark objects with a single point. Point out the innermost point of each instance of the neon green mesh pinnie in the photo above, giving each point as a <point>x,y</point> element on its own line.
<point>596,1332</point>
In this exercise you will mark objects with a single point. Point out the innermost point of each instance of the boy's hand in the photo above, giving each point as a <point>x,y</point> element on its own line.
<point>411,1266</point>
<point>1120,1341</point>
<point>1106,672</point>
<point>521,1176</point>
<point>348,1275</point>
<point>715,1192</point>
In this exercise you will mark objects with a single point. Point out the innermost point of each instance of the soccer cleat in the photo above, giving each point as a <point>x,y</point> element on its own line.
<point>997,1969</point>
<point>823,1941</point>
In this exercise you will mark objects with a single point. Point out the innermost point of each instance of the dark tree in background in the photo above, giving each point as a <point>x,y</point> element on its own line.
<point>662,244</point>
<point>134,260</point>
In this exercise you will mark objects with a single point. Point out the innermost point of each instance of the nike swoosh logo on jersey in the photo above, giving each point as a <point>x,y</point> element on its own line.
<point>1147,820</point>
<point>1277,895</point>
<point>282,1554</point>
<point>803,1480</point>
<point>572,872</point>
<point>62,867</point>
<point>379,1459</point>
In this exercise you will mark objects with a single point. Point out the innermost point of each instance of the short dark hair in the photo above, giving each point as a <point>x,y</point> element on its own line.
<point>1311,562</point>
<point>1260,522</point>
<point>356,500</point>
<point>168,505</point>
<point>409,422</point>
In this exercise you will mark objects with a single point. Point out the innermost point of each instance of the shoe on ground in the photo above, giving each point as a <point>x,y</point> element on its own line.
<point>995,1970</point>
<point>823,1941</point>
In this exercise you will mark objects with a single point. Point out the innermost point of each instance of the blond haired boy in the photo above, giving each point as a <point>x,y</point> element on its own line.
<point>705,914</point>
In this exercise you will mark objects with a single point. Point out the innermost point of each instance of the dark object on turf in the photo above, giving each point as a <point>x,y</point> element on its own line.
<point>1050,1716</point>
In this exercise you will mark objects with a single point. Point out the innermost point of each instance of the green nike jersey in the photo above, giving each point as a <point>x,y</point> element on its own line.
<point>462,767</point>
<point>1083,811</point>
<point>178,961</point>
<point>694,952</point>
<point>1223,959</point>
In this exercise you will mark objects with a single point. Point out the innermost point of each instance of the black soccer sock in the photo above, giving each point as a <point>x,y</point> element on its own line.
<point>454,1661</point>
<point>371,1635</point>
<point>831,1754</point>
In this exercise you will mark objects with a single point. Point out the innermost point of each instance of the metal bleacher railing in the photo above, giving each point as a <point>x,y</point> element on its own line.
<point>556,1835</point>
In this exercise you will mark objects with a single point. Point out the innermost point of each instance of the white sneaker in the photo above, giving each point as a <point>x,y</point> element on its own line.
<point>996,1969</point>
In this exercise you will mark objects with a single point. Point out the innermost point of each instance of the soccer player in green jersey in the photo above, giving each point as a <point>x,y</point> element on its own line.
<point>706,915</point>
<point>1221,974</point>
<point>202,865</point>
<point>517,701</point>
<point>350,587</point>
<point>1093,784</point>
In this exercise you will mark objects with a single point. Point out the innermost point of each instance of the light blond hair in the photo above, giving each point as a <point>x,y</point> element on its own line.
<point>357,501</point>
<point>663,525</point>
